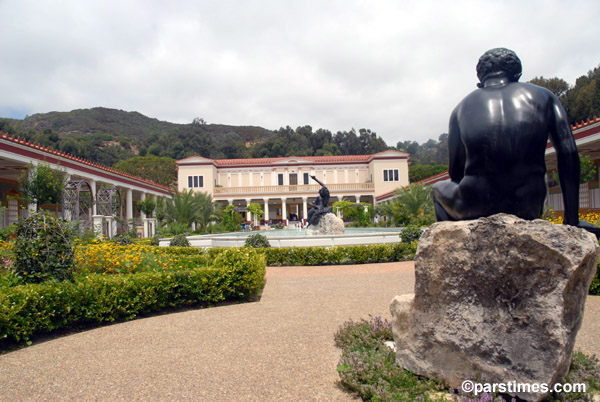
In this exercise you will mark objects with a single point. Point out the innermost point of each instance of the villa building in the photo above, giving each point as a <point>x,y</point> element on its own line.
<point>283,186</point>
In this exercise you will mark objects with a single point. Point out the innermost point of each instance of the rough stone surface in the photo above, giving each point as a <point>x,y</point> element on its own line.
<point>500,296</point>
<point>328,225</point>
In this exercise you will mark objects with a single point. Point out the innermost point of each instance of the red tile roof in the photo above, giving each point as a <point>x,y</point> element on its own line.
<point>585,123</point>
<point>315,159</point>
<point>43,148</point>
<point>336,158</point>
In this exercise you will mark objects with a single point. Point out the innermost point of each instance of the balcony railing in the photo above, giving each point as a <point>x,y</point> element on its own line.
<point>295,188</point>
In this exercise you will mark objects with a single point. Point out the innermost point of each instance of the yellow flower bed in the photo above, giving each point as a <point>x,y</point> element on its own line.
<point>591,217</point>
<point>112,258</point>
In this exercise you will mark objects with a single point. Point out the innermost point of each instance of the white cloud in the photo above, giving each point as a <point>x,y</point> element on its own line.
<point>397,68</point>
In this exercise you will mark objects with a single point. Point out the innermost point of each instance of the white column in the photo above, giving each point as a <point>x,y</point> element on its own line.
<point>143,215</point>
<point>304,209</point>
<point>230,201</point>
<point>248,213</point>
<point>357,198</point>
<point>283,210</point>
<point>266,208</point>
<point>129,206</point>
<point>92,184</point>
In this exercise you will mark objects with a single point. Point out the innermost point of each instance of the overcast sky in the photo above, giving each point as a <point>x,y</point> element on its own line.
<point>395,67</point>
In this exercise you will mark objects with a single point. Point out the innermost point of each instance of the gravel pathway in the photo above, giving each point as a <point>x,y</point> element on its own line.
<point>278,349</point>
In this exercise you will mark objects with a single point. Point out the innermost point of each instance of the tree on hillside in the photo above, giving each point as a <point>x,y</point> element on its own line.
<point>557,86</point>
<point>161,170</point>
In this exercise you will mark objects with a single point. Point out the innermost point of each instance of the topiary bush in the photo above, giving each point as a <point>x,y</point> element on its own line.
<point>43,249</point>
<point>410,234</point>
<point>257,241</point>
<point>179,241</point>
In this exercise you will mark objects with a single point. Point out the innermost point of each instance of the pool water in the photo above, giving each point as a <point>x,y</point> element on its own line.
<point>302,232</point>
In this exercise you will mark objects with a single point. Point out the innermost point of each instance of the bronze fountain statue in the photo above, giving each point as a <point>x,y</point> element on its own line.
<point>321,205</point>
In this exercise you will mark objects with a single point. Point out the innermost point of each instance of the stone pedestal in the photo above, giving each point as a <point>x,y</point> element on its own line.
<point>499,296</point>
<point>328,225</point>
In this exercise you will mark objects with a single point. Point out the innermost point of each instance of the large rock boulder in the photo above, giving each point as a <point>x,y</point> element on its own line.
<point>329,224</point>
<point>499,296</point>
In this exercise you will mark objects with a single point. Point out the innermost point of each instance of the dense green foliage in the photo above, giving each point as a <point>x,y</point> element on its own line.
<point>43,249</point>
<point>179,241</point>
<point>42,185</point>
<point>28,310</point>
<point>411,206</point>
<point>411,234</point>
<point>257,241</point>
<point>161,170</point>
<point>430,153</point>
<point>368,367</point>
<point>187,207</point>
<point>582,100</point>
<point>355,212</point>
<point>419,172</point>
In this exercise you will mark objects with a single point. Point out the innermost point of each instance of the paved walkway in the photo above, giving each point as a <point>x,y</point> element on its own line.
<point>278,349</point>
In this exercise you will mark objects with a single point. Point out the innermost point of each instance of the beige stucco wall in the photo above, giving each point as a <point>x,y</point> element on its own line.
<point>377,167</point>
<point>208,171</point>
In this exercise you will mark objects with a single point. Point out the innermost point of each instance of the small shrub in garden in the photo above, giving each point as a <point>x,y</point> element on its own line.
<point>123,240</point>
<point>43,249</point>
<point>179,241</point>
<point>155,240</point>
<point>410,234</point>
<point>257,241</point>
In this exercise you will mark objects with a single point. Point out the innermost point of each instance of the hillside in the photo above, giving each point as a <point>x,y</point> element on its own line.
<point>117,123</point>
<point>107,136</point>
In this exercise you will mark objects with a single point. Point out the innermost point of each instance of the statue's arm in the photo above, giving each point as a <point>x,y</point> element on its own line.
<point>318,181</point>
<point>456,150</point>
<point>568,160</point>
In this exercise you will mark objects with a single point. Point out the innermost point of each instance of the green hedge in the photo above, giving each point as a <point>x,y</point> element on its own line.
<point>32,309</point>
<point>340,254</point>
<point>316,255</point>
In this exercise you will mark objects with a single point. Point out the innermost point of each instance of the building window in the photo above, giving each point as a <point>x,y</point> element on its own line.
<point>280,179</point>
<point>390,175</point>
<point>195,181</point>
<point>306,178</point>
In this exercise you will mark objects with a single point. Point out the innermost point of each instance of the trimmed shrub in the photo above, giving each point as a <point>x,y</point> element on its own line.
<point>43,249</point>
<point>257,241</point>
<point>410,234</point>
<point>155,240</point>
<point>32,309</point>
<point>123,240</point>
<point>340,254</point>
<point>179,241</point>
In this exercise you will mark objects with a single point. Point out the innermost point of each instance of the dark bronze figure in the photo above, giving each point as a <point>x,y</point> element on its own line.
<point>497,141</point>
<point>320,207</point>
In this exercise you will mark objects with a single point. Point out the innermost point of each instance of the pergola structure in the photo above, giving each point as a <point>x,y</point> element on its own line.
<point>95,195</point>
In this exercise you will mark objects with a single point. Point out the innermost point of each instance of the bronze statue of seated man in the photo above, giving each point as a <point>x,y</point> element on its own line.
<point>497,142</point>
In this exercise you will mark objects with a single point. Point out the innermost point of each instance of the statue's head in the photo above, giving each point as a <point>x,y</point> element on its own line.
<point>498,61</point>
<point>324,192</point>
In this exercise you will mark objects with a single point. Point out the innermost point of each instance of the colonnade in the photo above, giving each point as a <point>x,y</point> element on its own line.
<point>282,207</point>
